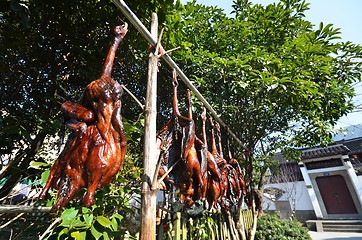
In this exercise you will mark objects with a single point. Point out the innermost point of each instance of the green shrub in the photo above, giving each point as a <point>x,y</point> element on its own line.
<point>270,227</point>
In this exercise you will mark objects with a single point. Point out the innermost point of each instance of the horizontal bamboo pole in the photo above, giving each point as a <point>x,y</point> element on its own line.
<point>24,209</point>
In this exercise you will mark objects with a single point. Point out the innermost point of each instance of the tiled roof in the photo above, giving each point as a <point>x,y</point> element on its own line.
<point>327,151</point>
<point>352,147</point>
<point>355,145</point>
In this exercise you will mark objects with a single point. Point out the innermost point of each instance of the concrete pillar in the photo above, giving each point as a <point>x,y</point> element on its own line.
<point>353,176</point>
<point>311,192</point>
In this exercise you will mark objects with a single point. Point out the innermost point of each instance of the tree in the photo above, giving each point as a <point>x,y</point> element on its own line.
<point>52,50</point>
<point>278,84</point>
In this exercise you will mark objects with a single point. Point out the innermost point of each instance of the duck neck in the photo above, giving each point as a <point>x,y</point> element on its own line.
<point>108,65</point>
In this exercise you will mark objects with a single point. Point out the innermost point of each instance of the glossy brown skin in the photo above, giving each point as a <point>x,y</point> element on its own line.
<point>212,177</point>
<point>221,163</point>
<point>235,164</point>
<point>235,179</point>
<point>201,157</point>
<point>177,144</point>
<point>233,192</point>
<point>95,150</point>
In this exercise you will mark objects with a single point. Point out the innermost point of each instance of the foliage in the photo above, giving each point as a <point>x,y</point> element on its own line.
<point>280,84</point>
<point>108,218</point>
<point>204,228</point>
<point>51,52</point>
<point>271,227</point>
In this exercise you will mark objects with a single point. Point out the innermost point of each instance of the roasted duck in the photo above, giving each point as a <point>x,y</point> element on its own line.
<point>96,148</point>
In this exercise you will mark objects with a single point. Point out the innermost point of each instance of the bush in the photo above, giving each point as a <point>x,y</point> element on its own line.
<point>270,227</point>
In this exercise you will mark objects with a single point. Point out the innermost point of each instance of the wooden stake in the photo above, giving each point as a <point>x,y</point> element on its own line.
<point>148,200</point>
<point>177,225</point>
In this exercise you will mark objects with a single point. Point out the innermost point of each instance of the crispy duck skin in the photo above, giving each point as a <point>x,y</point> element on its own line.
<point>176,142</point>
<point>96,148</point>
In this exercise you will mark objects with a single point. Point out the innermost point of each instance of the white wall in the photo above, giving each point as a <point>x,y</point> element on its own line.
<point>302,197</point>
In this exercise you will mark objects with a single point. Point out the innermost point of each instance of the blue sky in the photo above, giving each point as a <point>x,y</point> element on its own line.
<point>345,15</point>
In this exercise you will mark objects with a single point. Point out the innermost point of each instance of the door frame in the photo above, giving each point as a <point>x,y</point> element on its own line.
<point>351,189</point>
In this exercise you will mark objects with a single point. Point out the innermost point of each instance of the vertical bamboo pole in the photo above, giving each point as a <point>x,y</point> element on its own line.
<point>191,229</point>
<point>184,229</point>
<point>148,199</point>
<point>177,225</point>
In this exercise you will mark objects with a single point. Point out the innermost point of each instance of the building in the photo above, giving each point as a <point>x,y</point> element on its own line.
<point>326,184</point>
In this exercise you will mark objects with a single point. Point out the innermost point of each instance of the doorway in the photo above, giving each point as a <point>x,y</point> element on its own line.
<point>336,195</point>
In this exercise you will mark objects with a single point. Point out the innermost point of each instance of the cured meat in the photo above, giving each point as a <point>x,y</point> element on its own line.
<point>235,164</point>
<point>187,164</point>
<point>201,151</point>
<point>96,148</point>
<point>213,178</point>
<point>176,141</point>
<point>221,163</point>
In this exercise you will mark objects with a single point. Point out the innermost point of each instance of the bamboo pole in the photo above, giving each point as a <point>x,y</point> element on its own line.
<point>12,220</point>
<point>177,225</point>
<point>24,209</point>
<point>191,227</point>
<point>152,40</point>
<point>184,229</point>
<point>148,199</point>
<point>241,224</point>
<point>50,228</point>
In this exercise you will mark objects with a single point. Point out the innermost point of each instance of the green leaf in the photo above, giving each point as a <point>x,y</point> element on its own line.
<point>120,217</point>
<point>65,223</point>
<point>63,231</point>
<point>105,222</point>
<point>69,214</point>
<point>78,235</point>
<point>45,176</point>
<point>105,236</point>
<point>87,215</point>
<point>83,235</point>
<point>96,234</point>
<point>114,224</point>
<point>78,224</point>
<point>39,164</point>
<point>88,218</point>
